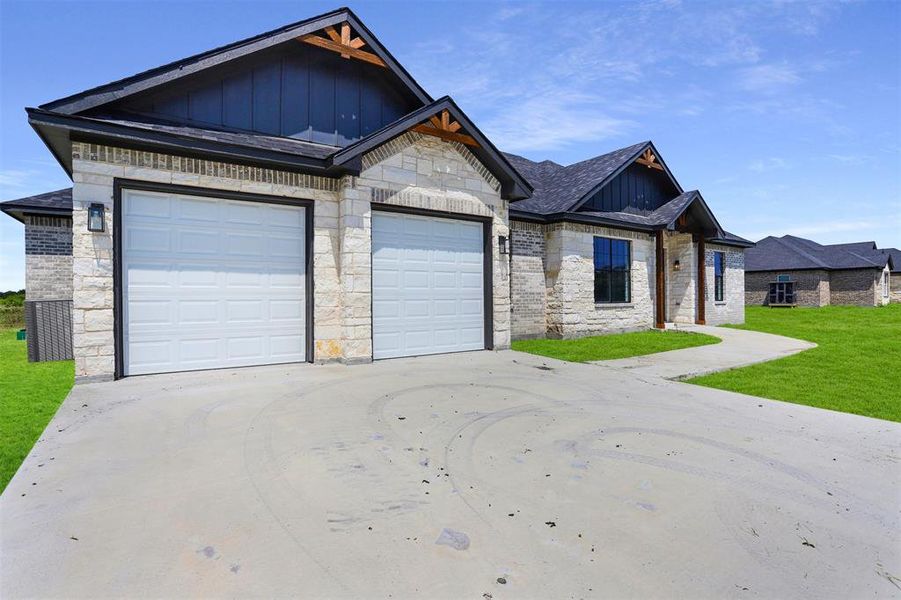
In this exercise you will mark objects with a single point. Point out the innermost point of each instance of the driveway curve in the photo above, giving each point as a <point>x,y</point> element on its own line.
<point>738,348</point>
<point>477,475</point>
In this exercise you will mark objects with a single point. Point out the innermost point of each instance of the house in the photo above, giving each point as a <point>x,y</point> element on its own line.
<point>817,275</point>
<point>895,274</point>
<point>297,196</point>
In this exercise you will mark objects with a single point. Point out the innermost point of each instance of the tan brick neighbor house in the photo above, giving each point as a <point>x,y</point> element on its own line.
<point>297,196</point>
<point>794,271</point>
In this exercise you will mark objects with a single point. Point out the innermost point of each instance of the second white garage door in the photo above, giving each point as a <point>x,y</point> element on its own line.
<point>211,283</point>
<point>427,285</point>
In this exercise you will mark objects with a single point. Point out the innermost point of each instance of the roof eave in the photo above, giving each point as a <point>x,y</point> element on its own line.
<point>81,129</point>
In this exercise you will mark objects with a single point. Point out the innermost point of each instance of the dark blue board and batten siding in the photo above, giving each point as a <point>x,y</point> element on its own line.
<point>304,93</point>
<point>637,186</point>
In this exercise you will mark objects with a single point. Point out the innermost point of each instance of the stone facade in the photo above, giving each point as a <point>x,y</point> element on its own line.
<point>895,287</point>
<point>413,171</point>
<point>528,252</point>
<point>571,309</point>
<point>681,284</point>
<point>423,172</point>
<point>553,282</point>
<point>732,308</point>
<point>48,258</point>
<point>816,287</point>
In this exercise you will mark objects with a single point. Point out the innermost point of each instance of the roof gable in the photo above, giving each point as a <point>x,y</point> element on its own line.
<point>194,65</point>
<point>560,189</point>
<point>513,185</point>
<point>294,90</point>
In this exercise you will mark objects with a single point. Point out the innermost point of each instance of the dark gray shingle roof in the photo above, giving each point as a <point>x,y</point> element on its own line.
<point>239,138</point>
<point>793,253</point>
<point>57,200</point>
<point>895,255</point>
<point>559,188</point>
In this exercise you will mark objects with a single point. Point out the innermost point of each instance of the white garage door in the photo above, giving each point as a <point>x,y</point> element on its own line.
<point>211,283</point>
<point>427,285</point>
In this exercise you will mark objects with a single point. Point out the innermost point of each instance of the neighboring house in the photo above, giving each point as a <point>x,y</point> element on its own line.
<point>297,196</point>
<point>895,274</point>
<point>813,274</point>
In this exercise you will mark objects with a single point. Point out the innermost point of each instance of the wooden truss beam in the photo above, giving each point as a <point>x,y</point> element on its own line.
<point>441,126</point>
<point>343,43</point>
<point>648,159</point>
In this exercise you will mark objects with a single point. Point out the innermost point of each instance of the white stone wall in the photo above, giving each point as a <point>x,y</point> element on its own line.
<point>681,285</point>
<point>413,170</point>
<point>732,308</point>
<point>571,309</point>
<point>424,172</point>
<point>94,169</point>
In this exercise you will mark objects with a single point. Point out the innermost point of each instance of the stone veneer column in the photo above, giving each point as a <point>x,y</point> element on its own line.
<point>355,271</point>
<point>92,275</point>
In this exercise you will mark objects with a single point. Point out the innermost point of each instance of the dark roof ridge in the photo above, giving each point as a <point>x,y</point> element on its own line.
<point>70,104</point>
<point>800,250</point>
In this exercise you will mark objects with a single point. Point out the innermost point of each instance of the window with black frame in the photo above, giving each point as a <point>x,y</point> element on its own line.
<point>612,278</point>
<point>719,269</point>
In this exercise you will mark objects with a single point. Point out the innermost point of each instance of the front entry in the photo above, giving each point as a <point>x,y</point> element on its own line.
<point>428,285</point>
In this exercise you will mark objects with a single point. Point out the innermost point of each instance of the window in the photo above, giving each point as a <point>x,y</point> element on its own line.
<point>612,279</point>
<point>719,268</point>
<point>885,284</point>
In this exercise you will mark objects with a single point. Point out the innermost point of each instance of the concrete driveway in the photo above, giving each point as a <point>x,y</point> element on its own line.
<point>479,475</point>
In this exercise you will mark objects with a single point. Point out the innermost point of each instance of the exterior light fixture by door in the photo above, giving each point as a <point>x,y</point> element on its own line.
<point>96,218</point>
<point>676,266</point>
<point>502,244</point>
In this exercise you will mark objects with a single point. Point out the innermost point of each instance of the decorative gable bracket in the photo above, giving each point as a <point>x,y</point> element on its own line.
<point>445,128</point>
<point>344,43</point>
<point>649,160</point>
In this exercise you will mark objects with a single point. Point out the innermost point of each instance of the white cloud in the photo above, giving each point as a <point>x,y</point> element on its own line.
<point>553,122</point>
<point>768,78</point>
<point>849,159</point>
<point>763,165</point>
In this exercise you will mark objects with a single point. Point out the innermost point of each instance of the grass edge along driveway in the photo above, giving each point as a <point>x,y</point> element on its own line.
<point>30,394</point>
<point>613,346</point>
<point>854,368</point>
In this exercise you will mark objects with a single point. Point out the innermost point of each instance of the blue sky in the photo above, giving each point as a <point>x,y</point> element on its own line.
<point>786,115</point>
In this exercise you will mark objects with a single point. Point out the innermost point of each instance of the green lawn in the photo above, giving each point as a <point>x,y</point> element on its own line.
<point>30,393</point>
<point>856,368</point>
<point>622,345</point>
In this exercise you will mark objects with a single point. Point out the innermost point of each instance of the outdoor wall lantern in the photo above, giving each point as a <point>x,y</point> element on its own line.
<point>676,266</point>
<point>96,218</point>
<point>502,244</point>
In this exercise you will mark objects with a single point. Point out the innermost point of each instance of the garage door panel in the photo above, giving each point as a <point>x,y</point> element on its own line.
<point>285,346</point>
<point>244,213</point>
<point>248,245</point>
<point>147,205</point>
<point>148,239</point>
<point>151,312</point>
<point>419,265</point>
<point>197,209</point>
<point>196,276</point>
<point>248,347</point>
<point>197,312</point>
<point>286,247</point>
<point>244,311</point>
<point>197,242</point>
<point>282,217</point>
<point>211,283</point>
